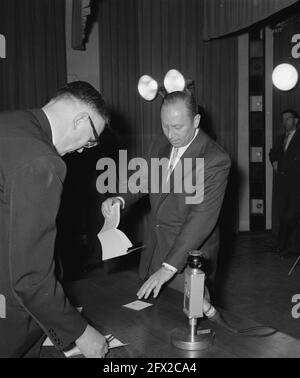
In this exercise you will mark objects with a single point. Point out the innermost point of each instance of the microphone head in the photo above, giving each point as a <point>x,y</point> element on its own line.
<point>195,259</point>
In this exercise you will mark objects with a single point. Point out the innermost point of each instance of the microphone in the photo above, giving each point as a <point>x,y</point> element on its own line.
<point>195,306</point>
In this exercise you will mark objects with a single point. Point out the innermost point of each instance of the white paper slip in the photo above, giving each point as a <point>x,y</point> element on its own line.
<point>114,244</point>
<point>113,241</point>
<point>138,305</point>
<point>47,342</point>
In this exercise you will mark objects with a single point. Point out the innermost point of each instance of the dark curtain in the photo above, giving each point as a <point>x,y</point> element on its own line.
<point>223,17</point>
<point>35,66</point>
<point>119,66</point>
<point>150,37</point>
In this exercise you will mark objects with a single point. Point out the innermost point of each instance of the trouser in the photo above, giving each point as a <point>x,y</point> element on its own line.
<point>289,217</point>
<point>20,335</point>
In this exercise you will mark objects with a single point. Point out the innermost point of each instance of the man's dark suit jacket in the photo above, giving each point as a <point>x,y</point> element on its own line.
<point>175,227</point>
<point>287,190</point>
<point>288,169</point>
<point>31,178</point>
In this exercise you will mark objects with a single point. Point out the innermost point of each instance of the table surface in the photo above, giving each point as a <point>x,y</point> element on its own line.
<point>148,332</point>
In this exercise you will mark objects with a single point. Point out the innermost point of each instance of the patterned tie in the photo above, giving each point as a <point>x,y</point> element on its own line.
<point>173,159</point>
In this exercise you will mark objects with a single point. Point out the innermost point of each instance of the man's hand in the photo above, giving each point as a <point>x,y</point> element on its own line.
<point>92,344</point>
<point>107,205</point>
<point>155,282</point>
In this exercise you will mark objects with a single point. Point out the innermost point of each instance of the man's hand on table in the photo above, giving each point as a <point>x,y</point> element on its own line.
<point>107,205</point>
<point>92,344</point>
<point>155,282</point>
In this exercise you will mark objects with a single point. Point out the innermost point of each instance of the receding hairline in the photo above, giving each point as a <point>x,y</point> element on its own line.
<point>183,100</point>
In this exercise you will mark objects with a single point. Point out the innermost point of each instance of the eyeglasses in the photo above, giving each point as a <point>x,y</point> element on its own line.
<point>96,141</point>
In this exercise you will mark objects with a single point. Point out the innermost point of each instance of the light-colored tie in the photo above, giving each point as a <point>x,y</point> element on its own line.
<point>285,142</point>
<point>173,160</point>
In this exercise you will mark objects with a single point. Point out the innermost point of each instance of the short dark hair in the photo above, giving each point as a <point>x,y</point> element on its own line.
<point>87,94</point>
<point>188,98</point>
<point>291,111</point>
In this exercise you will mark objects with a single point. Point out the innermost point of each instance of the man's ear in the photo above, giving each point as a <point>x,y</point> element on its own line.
<point>197,119</point>
<point>79,118</point>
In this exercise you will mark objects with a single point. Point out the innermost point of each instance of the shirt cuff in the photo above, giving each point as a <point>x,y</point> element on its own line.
<point>170,267</point>
<point>122,202</point>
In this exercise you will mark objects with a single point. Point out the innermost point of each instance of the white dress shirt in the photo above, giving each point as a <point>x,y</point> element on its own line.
<point>181,150</point>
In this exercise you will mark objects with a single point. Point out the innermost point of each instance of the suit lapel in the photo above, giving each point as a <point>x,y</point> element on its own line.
<point>293,142</point>
<point>163,151</point>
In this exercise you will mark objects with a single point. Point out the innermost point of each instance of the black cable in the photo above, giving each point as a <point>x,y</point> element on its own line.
<point>218,319</point>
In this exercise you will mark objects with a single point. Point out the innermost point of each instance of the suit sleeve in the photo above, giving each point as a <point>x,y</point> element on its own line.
<point>202,218</point>
<point>34,195</point>
<point>132,195</point>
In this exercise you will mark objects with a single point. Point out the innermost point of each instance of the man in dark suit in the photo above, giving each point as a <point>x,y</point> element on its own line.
<point>31,177</point>
<point>285,158</point>
<point>177,225</point>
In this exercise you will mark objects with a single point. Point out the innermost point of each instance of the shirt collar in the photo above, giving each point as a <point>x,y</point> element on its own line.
<point>43,122</point>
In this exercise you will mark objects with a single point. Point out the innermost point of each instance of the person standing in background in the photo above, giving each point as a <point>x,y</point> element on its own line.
<point>285,159</point>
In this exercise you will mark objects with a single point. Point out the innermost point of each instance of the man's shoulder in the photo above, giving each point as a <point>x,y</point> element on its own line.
<point>21,131</point>
<point>210,149</point>
<point>23,144</point>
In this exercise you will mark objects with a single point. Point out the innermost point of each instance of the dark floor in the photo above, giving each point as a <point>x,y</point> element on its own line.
<point>253,282</point>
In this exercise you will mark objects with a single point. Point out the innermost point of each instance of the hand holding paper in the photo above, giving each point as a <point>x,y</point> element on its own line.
<point>114,242</point>
<point>111,212</point>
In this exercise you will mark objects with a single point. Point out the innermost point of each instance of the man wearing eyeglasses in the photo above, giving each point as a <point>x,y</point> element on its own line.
<point>31,176</point>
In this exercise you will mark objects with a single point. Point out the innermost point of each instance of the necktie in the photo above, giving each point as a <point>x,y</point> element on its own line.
<point>173,159</point>
<point>285,141</point>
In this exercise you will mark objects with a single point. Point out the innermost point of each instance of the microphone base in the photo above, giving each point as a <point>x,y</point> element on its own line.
<point>181,338</point>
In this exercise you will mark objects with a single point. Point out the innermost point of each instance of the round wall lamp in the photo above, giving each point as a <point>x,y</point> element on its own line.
<point>285,77</point>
